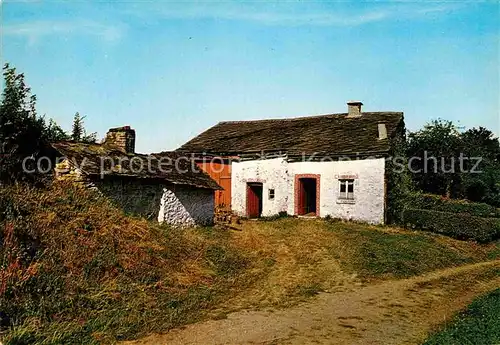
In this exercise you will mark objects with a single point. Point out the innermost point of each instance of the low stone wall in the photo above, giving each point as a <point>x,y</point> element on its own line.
<point>133,196</point>
<point>186,206</point>
<point>181,206</point>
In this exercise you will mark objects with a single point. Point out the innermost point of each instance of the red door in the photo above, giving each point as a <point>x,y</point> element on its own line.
<point>307,196</point>
<point>254,200</point>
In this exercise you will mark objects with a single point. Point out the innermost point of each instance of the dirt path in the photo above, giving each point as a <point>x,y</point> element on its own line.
<point>392,312</point>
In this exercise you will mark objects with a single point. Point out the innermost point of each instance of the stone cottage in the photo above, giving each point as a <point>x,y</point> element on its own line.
<point>330,165</point>
<point>168,187</point>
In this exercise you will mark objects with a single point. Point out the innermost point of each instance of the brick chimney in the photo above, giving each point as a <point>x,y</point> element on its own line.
<point>121,137</point>
<point>354,108</point>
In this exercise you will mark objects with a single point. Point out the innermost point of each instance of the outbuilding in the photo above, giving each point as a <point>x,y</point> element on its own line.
<point>169,188</point>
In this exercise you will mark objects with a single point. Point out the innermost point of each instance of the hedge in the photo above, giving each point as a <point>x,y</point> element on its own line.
<point>460,226</point>
<point>437,203</point>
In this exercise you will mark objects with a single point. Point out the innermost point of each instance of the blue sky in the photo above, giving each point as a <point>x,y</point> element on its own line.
<point>173,69</point>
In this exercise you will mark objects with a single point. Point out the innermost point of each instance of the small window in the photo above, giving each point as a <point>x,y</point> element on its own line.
<point>271,194</point>
<point>346,189</point>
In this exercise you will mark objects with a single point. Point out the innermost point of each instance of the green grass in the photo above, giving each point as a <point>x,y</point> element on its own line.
<point>479,324</point>
<point>379,253</point>
<point>495,253</point>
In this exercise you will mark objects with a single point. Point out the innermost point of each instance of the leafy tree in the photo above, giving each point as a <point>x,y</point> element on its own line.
<point>433,153</point>
<point>483,184</point>
<point>24,136</point>
<point>21,130</point>
<point>457,165</point>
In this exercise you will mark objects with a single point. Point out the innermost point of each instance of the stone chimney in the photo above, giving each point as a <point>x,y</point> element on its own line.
<point>354,108</point>
<point>121,137</point>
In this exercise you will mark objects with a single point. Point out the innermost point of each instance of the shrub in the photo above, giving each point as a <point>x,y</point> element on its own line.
<point>460,226</point>
<point>438,203</point>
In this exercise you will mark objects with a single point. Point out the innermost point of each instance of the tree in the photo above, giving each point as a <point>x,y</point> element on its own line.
<point>433,153</point>
<point>54,133</point>
<point>24,136</point>
<point>457,165</point>
<point>21,130</point>
<point>78,133</point>
<point>483,183</point>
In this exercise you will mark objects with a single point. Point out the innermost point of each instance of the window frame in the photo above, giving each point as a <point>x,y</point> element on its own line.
<point>348,184</point>
<point>271,194</point>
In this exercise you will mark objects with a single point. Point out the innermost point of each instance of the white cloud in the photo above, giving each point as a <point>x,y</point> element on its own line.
<point>34,30</point>
<point>291,13</point>
<point>281,13</point>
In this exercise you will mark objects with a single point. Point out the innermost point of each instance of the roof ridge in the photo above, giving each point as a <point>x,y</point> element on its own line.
<point>309,117</point>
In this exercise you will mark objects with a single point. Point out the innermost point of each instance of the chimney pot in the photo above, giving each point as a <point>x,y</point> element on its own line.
<point>122,138</point>
<point>354,108</point>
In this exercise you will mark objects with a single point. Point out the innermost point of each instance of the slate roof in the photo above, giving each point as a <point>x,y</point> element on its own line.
<point>90,157</point>
<point>329,134</point>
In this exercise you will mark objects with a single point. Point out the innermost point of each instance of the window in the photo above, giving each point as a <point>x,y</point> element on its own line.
<point>346,189</point>
<point>271,194</point>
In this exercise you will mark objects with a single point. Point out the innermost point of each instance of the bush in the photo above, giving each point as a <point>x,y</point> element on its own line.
<point>460,226</point>
<point>438,203</point>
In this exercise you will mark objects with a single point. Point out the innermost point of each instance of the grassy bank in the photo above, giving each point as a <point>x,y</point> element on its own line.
<point>297,258</point>
<point>478,324</point>
<point>74,269</point>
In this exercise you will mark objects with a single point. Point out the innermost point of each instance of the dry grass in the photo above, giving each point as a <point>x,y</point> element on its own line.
<point>74,269</point>
<point>295,259</point>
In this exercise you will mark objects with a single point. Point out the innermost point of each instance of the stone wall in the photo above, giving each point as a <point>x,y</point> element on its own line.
<point>177,205</point>
<point>369,194</point>
<point>133,196</point>
<point>186,206</point>
<point>64,171</point>
<point>278,174</point>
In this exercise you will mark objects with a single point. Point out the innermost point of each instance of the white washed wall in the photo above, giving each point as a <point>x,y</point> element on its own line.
<point>186,206</point>
<point>280,175</point>
<point>368,188</point>
<point>272,173</point>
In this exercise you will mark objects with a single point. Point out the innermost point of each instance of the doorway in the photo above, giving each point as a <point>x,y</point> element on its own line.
<point>307,197</point>
<point>254,200</point>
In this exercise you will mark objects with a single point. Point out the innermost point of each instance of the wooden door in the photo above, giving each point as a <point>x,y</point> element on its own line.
<point>224,198</point>
<point>307,196</point>
<point>221,173</point>
<point>302,198</point>
<point>254,200</point>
